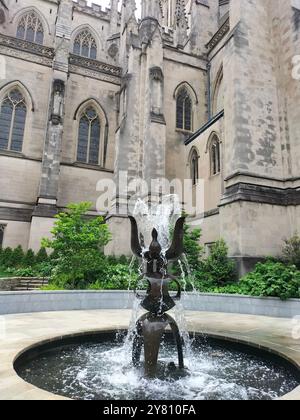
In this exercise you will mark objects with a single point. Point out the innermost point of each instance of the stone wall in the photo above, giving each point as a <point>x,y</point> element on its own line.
<point>28,302</point>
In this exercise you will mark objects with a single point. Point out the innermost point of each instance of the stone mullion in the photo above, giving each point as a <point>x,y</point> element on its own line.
<point>11,128</point>
<point>89,143</point>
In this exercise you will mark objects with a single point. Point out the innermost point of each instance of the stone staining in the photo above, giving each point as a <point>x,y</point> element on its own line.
<point>181,23</point>
<point>51,160</point>
<point>3,7</point>
<point>58,99</point>
<point>2,16</point>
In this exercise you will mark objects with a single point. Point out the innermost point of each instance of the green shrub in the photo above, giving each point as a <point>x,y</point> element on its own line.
<point>44,269</point>
<point>217,269</point>
<point>29,259</point>
<point>17,257</point>
<point>117,277</point>
<point>25,272</point>
<point>291,250</point>
<point>41,256</point>
<point>272,279</point>
<point>6,257</point>
<point>77,243</point>
<point>192,248</point>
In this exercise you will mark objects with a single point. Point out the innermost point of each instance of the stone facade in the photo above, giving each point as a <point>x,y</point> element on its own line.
<point>239,120</point>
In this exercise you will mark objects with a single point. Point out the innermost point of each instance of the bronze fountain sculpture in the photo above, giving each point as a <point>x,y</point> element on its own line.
<point>151,326</point>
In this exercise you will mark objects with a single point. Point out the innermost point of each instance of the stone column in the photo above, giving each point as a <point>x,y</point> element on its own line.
<point>46,207</point>
<point>254,211</point>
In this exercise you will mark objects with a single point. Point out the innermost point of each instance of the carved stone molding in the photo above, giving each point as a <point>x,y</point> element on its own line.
<point>94,65</point>
<point>94,74</point>
<point>25,46</point>
<point>156,74</point>
<point>11,52</point>
<point>223,30</point>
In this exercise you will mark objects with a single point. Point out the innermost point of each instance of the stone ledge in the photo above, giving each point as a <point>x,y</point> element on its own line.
<point>29,302</point>
<point>261,194</point>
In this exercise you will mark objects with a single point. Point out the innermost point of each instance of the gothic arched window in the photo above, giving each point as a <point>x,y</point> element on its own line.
<point>13,112</point>
<point>30,28</point>
<point>184,110</point>
<point>194,165</point>
<point>89,132</point>
<point>85,45</point>
<point>215,156</point>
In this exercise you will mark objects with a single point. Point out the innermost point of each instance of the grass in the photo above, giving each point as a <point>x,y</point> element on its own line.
<point>4,274</point>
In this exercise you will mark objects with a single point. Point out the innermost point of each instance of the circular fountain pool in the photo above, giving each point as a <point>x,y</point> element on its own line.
<point>99,367</point>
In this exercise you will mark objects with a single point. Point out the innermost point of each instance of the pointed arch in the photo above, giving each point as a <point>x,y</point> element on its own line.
<point>193,163</point>
<point>18,15</point>
<point>85,42</point>
<point>14,105</point>
<point>189,89</point>
<point>92,129</point>
<point>18,84</point>
<point>218,93</point>
<point>213,147</point>
<point>40,37</point>
<point>30,28</point>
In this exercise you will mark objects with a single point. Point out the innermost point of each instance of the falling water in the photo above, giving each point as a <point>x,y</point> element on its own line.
<point>160,216</point>
<point>103,370</point>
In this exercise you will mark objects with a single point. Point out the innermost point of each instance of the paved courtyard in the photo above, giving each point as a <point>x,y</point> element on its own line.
<point>24,330</point>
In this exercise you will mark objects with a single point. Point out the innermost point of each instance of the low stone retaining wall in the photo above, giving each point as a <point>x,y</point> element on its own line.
<point>9,283</point>
<point>27,302</point>
<point>19,283</point>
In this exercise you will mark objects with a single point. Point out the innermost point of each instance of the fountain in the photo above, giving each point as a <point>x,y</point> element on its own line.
<point>152,325</point>
<point>108,365</point>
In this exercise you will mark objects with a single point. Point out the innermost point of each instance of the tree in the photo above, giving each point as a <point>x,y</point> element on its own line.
<point>41,256</point>
<point>192,247</point>
<point>17,257</point>
<point>29,259</point>
<point>217,267</point>
<point>77,243</point>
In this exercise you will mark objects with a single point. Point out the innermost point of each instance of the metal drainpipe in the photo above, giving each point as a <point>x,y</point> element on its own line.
<point>208,91</point>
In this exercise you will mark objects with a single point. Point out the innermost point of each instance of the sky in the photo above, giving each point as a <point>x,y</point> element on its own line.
<point>106,3</point>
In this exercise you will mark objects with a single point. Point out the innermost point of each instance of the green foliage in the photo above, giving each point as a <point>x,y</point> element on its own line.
<point>117,277</point>
<point>77,244</point>
<point>272,279</point>
<point>291,250</point>
<point>192,247</point>
<point>41,256</point>
<point>217,269</point>
<point>6,257</point>
<point>74,232</point>
<point>29,259</point>
<point>269,279</point>
<point>25,272</point>
<point>17,257</point>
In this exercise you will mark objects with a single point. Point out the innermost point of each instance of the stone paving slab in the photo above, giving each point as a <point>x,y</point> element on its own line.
<point>22,331</point>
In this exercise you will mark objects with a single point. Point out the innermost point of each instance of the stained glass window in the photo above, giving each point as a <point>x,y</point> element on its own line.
<point>30,28</point>
<point>215,156</point>
<point>13,112</point>
<point>184,110</point>
<point>194,164</point>
<point>89,137</point>
<point>85,45</point>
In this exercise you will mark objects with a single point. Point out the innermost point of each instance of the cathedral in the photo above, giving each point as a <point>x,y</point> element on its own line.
<point>203,90</point>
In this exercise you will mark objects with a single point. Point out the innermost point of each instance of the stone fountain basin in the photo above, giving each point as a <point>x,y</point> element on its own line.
<point>25,332</point>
